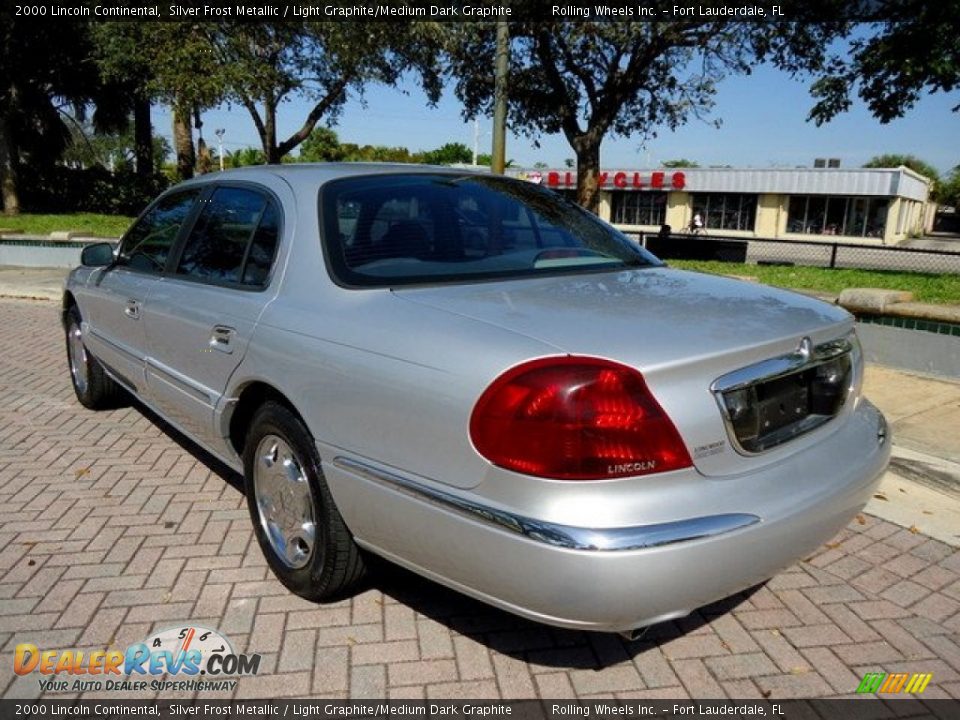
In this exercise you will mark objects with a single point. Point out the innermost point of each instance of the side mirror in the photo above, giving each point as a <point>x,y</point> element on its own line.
<point>97,255</point>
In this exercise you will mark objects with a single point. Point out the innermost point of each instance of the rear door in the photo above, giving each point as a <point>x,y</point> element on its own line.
<point>201,315</point>
<point>115,296</point>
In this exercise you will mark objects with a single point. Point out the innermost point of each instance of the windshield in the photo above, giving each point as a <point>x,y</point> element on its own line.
<point>387,230</point>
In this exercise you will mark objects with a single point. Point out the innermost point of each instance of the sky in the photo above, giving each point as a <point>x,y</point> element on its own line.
<point>763,119</point>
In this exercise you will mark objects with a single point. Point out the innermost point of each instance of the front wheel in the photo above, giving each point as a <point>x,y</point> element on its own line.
<point>93,387</point>
<point>300,531</point>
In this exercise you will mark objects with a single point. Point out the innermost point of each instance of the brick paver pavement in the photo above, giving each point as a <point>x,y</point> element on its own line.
<point>111,527</point>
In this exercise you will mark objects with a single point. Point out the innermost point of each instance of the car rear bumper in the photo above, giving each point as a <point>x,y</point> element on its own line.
<point>611,579</point>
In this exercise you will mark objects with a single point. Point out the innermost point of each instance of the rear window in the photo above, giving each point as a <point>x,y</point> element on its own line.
<point>387,230</point>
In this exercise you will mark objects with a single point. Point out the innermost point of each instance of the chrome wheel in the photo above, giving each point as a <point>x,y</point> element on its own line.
<point>284,502</point>
<point>79,368</point>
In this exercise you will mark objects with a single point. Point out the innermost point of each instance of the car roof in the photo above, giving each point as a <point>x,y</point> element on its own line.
<point>311,175</point>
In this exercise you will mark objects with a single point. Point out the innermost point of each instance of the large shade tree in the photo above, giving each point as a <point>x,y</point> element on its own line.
<point>264,65</point>
<point>171,63</point>
<point>592,80</point>
<point>949,193</point>
<point>890,65</point>
<point>117,49</point>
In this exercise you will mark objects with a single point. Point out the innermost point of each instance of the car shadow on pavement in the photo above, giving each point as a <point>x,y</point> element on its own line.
<point>527,640</point>
<point>211,462</point>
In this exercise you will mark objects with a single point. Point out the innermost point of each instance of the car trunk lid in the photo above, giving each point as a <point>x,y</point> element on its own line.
<point>682,330</point>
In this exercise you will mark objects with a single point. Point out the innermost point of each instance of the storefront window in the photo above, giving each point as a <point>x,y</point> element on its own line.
<point>639,208</point>
<point>726,211</point>
<point>849,216</point>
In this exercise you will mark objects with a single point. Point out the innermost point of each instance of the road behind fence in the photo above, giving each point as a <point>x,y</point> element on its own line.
<point>766,251</point>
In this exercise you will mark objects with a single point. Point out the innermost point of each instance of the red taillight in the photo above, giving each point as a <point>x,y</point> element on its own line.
<point>575,418</point>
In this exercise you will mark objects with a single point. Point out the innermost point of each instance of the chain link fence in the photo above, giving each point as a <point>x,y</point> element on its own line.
<point>766,251</point>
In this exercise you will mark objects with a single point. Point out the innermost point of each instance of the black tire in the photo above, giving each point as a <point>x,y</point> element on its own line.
<point>336,564</point>
<point>94,388</point>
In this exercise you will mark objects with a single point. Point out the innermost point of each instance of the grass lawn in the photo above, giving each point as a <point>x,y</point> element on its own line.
<point>943,289</point>
<point>93,224</point>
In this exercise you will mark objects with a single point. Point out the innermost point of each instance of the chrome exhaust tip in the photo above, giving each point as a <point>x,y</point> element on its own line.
<point>635,634</point>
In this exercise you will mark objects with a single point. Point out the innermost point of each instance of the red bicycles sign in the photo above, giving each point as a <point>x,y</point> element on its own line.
<point>622,180</point>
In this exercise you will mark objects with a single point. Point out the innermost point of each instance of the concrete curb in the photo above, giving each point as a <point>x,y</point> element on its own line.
<point>921,493</point>
<point>886,306</point>
<point>878,301</point>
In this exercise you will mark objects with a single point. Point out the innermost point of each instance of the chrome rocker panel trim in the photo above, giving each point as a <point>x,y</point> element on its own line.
<point>557,535</point>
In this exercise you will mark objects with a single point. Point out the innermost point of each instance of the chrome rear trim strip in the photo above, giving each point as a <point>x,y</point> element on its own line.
<point>803,358</point>
<point>554,534</point>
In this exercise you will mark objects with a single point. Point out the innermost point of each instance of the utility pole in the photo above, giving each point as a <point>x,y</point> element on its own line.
<point>499,161</point>
<point>476,140</point>
<point>219,133</point>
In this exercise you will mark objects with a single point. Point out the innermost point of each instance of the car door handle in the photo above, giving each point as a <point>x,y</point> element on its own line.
<point>221,338</point>
<point>132,309</point>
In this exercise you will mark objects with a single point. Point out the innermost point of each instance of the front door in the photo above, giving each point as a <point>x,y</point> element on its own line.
<point>115,297</point>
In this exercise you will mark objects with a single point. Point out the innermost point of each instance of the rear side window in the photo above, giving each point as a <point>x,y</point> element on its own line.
<point>234,239</point>
<point>263,247</point>
<point>396,229</point>
<point>147,244</point>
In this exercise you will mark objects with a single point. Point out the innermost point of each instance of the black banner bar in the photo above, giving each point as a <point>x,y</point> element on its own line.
<point>848,709</point>
<point>464,10</point>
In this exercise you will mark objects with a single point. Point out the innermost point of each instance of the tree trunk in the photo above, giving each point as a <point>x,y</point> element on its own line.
<point>143,136</point>
<point>588,172</point>
<point>271,152</point>
<point>183,142</point>
<point>9,159</point>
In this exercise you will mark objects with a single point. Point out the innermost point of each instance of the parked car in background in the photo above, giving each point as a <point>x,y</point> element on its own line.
<point>478,380</point>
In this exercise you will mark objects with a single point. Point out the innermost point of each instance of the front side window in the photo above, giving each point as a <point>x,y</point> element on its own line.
<point>233,240</point>
<point>147,244</point>
<point>389,230</point>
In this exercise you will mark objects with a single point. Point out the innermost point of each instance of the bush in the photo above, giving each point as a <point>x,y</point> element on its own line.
<point>61,189</point>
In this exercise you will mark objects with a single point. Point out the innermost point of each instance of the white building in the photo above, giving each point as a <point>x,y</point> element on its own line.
<point>866,205</point>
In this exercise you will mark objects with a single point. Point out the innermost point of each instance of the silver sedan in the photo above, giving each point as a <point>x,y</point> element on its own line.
<point>478,380</point>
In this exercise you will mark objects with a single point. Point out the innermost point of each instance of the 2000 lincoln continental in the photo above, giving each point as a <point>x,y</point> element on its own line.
<point>482,382</point>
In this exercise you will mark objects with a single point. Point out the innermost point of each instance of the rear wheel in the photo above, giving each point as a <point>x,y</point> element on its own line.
<point>94,388</point>
<point>300,531</point>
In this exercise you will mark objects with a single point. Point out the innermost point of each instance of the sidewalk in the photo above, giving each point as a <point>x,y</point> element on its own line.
<point>921,490</point>
<point>32,283</point>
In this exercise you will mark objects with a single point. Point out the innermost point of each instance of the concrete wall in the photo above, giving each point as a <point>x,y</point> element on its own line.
<point>26,254</point>
<point>914,350</point>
